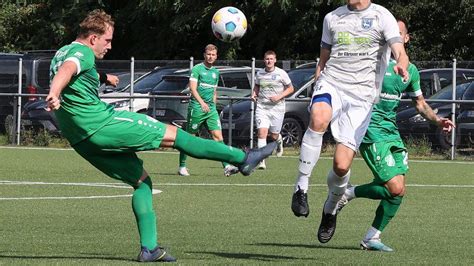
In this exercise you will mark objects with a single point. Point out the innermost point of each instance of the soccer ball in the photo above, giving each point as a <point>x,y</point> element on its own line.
<point>229,24</point>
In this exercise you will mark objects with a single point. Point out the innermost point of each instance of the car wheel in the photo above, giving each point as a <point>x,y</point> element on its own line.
<point>292,132</point>
<point>444,139</point>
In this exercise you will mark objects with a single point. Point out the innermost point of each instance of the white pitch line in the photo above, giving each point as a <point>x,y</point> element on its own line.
<point>62,198</point>
<point>291,185</point>
<point>156,191</point>
<point>285,156</point>
<point>108,185</point>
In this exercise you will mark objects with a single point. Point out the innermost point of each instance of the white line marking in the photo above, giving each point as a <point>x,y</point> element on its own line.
<point>156,191</point>
<point>284,156</point>
<point>108,185</point>
<point>291,185</point>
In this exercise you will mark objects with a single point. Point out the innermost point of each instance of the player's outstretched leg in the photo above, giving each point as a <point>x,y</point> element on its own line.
<point>246,161</point>
<point>255,156</point>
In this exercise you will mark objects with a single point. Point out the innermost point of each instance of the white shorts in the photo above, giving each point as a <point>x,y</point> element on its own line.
<point>350,117</point>
<point>269,118</point>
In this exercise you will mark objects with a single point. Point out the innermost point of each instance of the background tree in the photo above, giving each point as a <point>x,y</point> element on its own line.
<point>177,29</point>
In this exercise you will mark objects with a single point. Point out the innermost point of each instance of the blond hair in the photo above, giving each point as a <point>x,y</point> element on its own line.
<point>269,52</point>
<point>96,22</point>
<point>210,47</point>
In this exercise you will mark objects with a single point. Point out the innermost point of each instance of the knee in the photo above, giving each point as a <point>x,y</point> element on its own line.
<point>397,191</point>
<point>318,124</point>
<point>341,169</point>
<point>396,187</point>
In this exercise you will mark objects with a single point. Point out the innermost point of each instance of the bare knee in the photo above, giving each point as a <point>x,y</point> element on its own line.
<point>342,159</point>
<point>341,169</point>
<point>396,186</point>
<point>320,117</point>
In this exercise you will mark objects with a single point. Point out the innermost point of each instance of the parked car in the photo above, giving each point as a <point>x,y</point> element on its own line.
<point>124,81</point>
<point>34,116</point>
<point>35,79</point>
<point>142,86</point>
<point>429,78</point>
<point>296,116</point>
<point>233,82</point>
<point>412,124</point>
<point>465,119</point>
<point>432,80</point>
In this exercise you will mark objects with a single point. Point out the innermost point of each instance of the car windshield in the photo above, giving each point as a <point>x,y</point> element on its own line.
<point>124,81</point>
<point>447,92</point>
<point>299,77</point>
<point>171,84</point>
<point>146,82</point>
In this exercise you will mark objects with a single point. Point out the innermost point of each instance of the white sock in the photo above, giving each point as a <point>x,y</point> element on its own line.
<point>309,156</point>
<point>372,234</point>
<point>350,193</point>
<point>337,186</point>
<point>261,143</point>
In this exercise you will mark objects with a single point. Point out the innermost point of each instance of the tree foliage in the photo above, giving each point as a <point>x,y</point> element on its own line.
<point>165,29</point>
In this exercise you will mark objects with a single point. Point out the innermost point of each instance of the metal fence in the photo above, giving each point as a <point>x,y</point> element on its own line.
<point>146,65</point>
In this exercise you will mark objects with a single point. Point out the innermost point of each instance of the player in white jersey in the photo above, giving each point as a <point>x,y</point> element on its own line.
<point>354,53</point>
<point>272,85</point>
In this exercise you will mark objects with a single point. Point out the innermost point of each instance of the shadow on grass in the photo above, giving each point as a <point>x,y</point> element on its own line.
<point>252,256</point>
<point>316,246</point>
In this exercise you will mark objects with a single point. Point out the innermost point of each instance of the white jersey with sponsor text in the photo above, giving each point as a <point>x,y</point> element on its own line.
<point>271,84</point>
<point>359,41</point>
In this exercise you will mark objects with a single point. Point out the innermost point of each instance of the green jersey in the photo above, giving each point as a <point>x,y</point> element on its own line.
<point>82,112</point>
<point>383,123</point>
<point>207,80</point>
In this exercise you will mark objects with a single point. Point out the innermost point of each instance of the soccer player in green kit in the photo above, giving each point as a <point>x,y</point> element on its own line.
<point>384,152</point>
<point>109,139</point>
<point>202,107</point>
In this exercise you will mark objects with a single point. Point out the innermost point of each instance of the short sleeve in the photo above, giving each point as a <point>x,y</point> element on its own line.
<point>326,38</point>
<point>194,74</point>
<point>286,78</point>
<point>414,89</point>
<point>257,78</point>
<point>390,29</point>
<point>83,57</point>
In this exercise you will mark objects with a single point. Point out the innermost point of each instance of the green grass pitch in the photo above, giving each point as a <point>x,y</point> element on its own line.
<point>56,209</point>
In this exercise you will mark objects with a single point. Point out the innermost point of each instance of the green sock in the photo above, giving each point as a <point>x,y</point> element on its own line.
<point>142,205</point>
<point>224,164</point>
<point>182,159</point>
<point>372,191</point>
<point>207,149</point>
<point>386,211</point>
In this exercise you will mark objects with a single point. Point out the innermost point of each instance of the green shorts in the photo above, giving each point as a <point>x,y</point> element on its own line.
<point>197,117</point>
<point>112,149</point>
<point>385,159</point>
